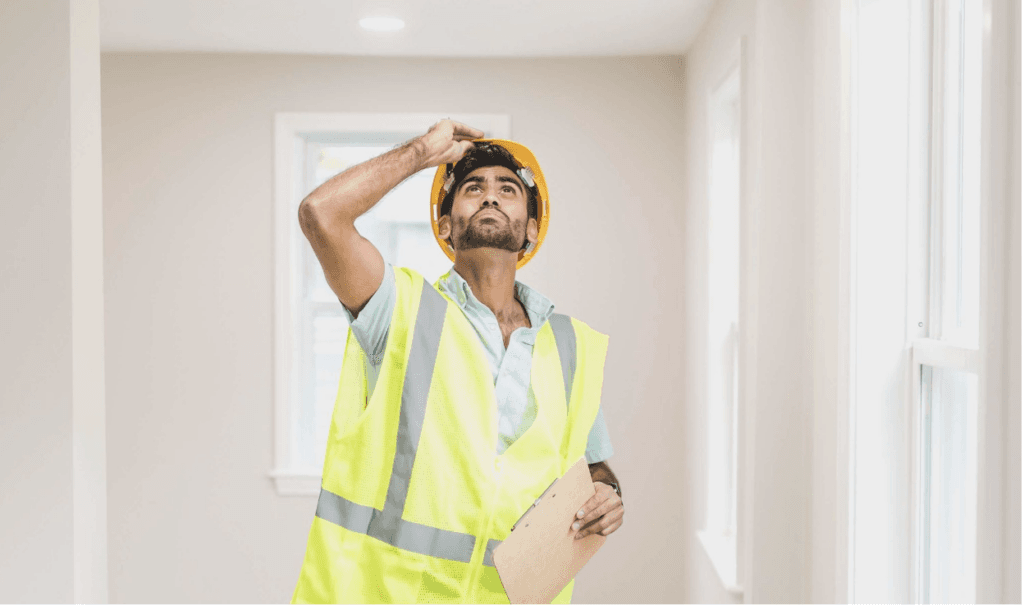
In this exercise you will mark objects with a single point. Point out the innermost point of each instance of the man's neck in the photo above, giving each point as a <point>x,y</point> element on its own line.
<point>491,274</point>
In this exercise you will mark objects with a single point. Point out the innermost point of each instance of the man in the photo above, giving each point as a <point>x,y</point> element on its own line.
<point>430,461</point>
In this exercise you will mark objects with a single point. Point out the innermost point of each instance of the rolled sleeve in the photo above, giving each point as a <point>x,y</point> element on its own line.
<point>374,322</point>
<point>599,443</point>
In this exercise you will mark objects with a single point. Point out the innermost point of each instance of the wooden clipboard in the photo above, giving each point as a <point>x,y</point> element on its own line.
<point>542,554</point>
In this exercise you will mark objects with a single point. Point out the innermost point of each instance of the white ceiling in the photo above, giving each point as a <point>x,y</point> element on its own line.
<point>433,28</point>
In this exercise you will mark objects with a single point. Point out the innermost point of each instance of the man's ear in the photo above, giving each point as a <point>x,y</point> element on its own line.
<point>532,231</point>
<point>444,228</point>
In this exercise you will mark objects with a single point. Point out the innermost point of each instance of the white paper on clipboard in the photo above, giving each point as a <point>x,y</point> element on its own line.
<point>542,554</point>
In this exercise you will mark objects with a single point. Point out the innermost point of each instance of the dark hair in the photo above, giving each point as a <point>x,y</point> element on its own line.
<point>486,154</point>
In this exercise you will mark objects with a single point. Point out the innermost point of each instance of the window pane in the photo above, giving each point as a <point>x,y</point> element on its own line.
<point>949,484</point>
<point>316,282</point>
<point>335,159</point>
<point>408,201</point>
<point>961,166</point>
<point>328,353</point>
<point>416,247</point>
<point>332,161</point>
<point>723,303</point>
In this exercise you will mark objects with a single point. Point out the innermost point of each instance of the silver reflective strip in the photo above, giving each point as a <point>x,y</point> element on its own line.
<point>565,340</point>
<point>426,340</point>
<point>336,509</point>
<point>388,525</point>
<point>489,553</point>
<point>410,536</point>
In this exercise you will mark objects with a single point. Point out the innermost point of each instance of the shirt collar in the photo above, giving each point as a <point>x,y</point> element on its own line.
<point>538,307</point>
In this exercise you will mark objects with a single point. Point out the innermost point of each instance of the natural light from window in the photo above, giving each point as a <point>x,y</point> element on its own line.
<point>719,536</point>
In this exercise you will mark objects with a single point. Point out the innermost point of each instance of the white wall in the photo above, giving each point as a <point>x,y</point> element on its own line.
<point>728,21</point>
<point>53,472</point>
<point>188,193</point>
<point>779,236</point>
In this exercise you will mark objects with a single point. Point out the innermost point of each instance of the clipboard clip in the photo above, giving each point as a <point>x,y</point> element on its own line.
<point>535,503</point>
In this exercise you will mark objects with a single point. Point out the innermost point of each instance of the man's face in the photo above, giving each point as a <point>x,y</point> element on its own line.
<point>489,210</point>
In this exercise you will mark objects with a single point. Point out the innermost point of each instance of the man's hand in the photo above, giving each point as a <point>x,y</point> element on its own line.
<point>602,513</point>
<point>446,142</point>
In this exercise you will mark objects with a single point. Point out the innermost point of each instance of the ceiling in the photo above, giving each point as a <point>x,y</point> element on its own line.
<point>433,28</point>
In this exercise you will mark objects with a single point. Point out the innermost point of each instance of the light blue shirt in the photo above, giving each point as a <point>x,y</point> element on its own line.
<point>510,369</point>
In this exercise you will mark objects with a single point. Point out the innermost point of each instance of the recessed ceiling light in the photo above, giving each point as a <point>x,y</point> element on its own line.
<point>382,24</point>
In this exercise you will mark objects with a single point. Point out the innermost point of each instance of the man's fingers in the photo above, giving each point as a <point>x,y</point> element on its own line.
<point>456,150</point>
<point>594,501</point>
<point>604,525</point>
<point>613,525</point>
<point>461,129</point>
<point>593,514</point>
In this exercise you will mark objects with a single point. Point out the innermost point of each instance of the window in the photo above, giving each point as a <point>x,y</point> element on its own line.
<point>945,386</point>
<point>916,281</point>
<point>310,325</point>
<point>719,536</point>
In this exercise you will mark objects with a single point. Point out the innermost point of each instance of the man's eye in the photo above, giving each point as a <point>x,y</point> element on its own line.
<point>507,187</point>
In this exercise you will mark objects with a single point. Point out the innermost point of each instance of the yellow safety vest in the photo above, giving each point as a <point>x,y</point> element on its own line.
<point>414,498</point>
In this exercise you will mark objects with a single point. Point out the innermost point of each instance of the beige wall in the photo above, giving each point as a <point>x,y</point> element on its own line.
<point>188,192</point>
<point>1012,396</point>
<point>53,468</point>
<point>36,228</point>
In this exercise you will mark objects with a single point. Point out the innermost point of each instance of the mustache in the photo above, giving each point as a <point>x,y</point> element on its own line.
<point>491,209</point>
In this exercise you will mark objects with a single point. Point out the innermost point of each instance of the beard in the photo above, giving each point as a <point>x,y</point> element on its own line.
<point>491,230</point>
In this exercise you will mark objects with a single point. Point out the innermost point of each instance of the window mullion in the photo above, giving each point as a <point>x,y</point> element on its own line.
<point>937,31</point>
<point>928,351</point>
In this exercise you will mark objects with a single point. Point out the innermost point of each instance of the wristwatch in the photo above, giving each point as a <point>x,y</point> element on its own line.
<point>614,486</point>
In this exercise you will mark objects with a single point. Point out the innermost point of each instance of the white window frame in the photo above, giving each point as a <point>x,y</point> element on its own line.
<point>292,132</point>
<point>724,551</point>
<point>952,353</point>
<point>987,360</point>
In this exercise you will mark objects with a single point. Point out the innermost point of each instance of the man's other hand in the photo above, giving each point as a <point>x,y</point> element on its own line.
<point>602,513</point>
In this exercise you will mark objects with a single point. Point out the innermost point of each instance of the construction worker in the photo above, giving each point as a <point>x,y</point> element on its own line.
<point>431,459</point>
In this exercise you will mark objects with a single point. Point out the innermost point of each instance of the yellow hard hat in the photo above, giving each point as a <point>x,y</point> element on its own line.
<point>529,171</point>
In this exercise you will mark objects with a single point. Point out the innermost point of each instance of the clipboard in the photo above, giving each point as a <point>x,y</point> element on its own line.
<point>542,555</point>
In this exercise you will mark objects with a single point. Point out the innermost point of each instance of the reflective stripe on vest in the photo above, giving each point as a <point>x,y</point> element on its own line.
<point>388,525</point>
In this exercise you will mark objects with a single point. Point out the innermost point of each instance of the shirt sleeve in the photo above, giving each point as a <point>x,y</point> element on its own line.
<point>599,444</point>
<point>373,324</point>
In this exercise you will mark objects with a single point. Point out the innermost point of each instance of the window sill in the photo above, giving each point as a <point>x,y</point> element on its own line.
<point>721,551</point>
<point>291,483</point>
